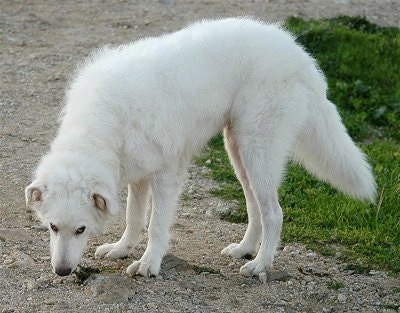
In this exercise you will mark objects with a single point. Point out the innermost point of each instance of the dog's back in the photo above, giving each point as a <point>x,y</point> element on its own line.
<point>175,92</point>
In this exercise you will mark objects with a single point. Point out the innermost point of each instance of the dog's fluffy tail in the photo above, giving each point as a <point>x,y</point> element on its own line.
<point>326,150</point>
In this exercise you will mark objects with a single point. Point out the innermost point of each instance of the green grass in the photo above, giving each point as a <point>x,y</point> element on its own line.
<point>82,273</point>
<point>361,62</point>
<point>334,285</point>
<point>205,269</point>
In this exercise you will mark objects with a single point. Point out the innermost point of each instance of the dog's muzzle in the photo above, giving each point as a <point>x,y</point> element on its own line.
<point>63,271</point>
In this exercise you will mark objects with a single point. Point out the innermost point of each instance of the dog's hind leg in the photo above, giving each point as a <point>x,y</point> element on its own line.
<point>264,176</point>
<point>264,151</point>
<point>166,186</point>
<point>251,240</point>
<point>265,123</point>
<point>137,201</point>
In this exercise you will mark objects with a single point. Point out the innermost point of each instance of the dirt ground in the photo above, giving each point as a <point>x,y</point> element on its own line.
<point>40,44</point>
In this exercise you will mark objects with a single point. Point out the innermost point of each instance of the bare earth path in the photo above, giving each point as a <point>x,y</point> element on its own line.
<point>40,44</point>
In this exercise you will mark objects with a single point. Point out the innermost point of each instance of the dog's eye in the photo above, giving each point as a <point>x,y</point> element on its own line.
<point>80,230</point>
<point>54,228</point>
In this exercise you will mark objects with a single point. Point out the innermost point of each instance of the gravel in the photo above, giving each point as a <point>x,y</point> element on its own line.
<point>40,44</point>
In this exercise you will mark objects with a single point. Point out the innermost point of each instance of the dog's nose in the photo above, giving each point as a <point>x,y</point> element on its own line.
<point>63,271</point>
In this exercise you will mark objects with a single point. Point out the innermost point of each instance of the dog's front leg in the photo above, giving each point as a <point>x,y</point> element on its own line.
<point>138,196</point>
<point>165,190</point>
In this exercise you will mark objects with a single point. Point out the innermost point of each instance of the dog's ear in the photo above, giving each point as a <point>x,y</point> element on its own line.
<point>34,194</point>
<point>105,204</point>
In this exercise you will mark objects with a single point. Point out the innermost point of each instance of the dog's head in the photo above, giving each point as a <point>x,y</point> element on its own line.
<point>71,215</point>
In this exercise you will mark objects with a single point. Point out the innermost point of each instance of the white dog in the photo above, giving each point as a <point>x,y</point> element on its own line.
<point>136,114</point>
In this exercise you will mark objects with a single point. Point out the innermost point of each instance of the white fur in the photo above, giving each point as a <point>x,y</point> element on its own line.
<point>137,113</point>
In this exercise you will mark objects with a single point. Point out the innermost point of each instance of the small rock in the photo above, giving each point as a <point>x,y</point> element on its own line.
<point>172,262</point>
<point>207,260</point>
<point>333,270</point>
<point>188,285</point>
<point>50,301</point>
<point>341,297</point>
<point>18,259</point>
<point>308,278</point>
<point>221,209</point>
<point>275,276</point>
<point>39,228</point>
<point>210,212</point>
<point>311,285</point>
<point>151,306</point>
<point>31,284</point>
<point>311,255</point>
<point>111,288</point>
<point>190,191</point>
<point>375,273</point>
<point>360,301</point>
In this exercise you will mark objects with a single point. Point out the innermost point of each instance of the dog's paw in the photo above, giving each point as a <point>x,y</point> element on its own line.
<point>144,268</point>
<point>237,251</point>
<point>253,268</point>
<point>111,251</point>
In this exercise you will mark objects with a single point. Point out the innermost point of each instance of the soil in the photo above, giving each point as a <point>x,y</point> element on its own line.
<point>40,44</point>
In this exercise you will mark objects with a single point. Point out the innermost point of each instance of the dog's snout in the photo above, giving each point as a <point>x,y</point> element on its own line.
<point>63,271</point>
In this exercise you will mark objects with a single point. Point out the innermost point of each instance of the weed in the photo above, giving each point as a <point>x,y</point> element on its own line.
<point>358,268</point>
<point>108,269</point>
<point>394,307</point>
<point>83,272</point>
<point>335,285</point>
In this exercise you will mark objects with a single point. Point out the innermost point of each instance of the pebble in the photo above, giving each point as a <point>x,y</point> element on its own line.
<point>278,276</point>
<point>31,284</point>
<point>111,288</point>
<point>39,228</point>
<point>341,297</point>
<point>311,255</point>
<point>360,301</point>
<point>152,306</point>
<point>311,285</point>
<point>374,273</point>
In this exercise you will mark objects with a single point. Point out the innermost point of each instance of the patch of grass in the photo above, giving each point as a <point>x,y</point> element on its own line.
<point>84,272</point>
<point>360,60</point>
<point>323,248</point>
<point>315,212</point>
<point>335,285</point>
<point>358,268</point>
<point>365,83</point>
<point>394,307</point>
<point>205,269</point>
